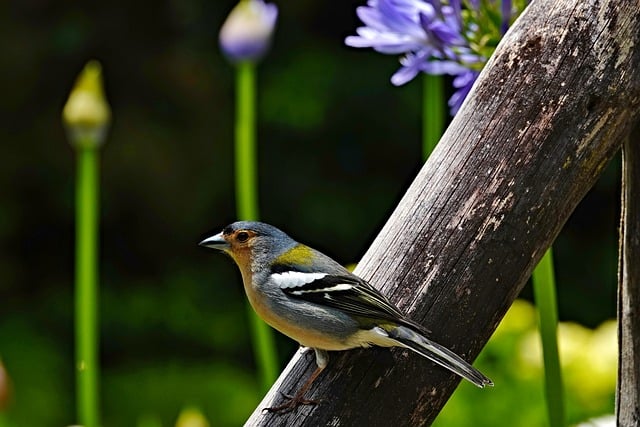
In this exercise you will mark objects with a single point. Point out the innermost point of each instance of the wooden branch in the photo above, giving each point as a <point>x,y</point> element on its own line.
<point>628,392</point>
<point>545,117</point>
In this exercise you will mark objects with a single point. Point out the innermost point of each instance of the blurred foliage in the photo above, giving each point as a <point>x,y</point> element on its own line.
<point>191,417</point>
<point>338,147</point>
<point>513,360</point>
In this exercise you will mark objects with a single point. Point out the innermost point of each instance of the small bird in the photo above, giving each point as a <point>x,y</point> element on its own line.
<point>314,300</point>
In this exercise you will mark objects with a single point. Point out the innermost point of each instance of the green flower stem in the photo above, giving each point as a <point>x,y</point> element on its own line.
<point>544,290</point>
<point>246,168</point>
<point>87,192</point>
<point>247,206</point>
<point>433,114</point>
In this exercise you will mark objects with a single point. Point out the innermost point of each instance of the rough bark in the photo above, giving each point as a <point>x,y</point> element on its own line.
<point>628,393</point>
<point>547,114</point>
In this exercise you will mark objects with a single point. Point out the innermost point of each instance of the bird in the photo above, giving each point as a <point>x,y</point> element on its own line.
<point>317,302</point>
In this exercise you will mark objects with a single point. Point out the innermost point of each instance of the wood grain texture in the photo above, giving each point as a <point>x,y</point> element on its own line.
<point>547,114</point>
<point>628,392</point>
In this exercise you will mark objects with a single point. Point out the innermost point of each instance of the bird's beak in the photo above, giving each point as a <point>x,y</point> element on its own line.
<point>215,242</point>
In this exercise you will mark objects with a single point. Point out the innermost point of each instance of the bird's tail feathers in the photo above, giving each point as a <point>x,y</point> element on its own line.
<point>438,354</point>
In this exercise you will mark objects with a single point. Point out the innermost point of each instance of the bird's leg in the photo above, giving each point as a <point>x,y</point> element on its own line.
<point>322,358</point>
<point>294,401</point>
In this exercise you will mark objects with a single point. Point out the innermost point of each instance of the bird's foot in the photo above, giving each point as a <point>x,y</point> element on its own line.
<point>292,403</point>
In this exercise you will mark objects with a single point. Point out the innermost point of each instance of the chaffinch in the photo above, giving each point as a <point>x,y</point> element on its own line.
<point>316,301</point>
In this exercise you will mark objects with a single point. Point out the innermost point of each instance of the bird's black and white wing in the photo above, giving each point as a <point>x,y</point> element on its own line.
<point>348,293</point>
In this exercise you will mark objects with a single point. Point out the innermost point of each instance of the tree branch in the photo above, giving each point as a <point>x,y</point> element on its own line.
<point>545,117</point>
<point>628,392</point>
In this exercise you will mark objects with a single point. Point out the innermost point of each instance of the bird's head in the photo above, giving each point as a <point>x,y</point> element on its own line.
<point>248,242</point>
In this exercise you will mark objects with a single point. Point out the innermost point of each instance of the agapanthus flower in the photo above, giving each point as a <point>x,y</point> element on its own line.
<point>434,37</point>
<point>246,33</point>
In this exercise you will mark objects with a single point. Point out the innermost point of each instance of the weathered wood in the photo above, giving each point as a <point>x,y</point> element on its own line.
<point>545,117</point>
<point>628,392</point>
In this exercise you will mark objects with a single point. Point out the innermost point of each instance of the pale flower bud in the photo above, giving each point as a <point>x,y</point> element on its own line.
<point>246,34</point>
<point>86,114</point>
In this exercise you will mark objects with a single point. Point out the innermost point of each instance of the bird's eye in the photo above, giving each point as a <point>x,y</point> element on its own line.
<point>242,236</point>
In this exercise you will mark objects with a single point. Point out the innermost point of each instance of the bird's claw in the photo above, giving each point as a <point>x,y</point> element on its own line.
<point>292,403</point>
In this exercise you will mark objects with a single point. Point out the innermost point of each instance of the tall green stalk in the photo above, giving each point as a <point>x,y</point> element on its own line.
<point>86,116</point>
<point>544,290</point>
<point>247,206</point>
<point>87,190</point>
<point>433,113</point>
<point>246,156</point>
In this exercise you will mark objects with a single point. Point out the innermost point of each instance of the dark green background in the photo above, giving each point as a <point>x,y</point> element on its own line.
<point>338,147</point>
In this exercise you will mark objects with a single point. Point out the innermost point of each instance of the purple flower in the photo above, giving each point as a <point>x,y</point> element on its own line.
<point>432,36</point>
<point>246,34</point>
<point>505,11</point>
<point>463,83</point>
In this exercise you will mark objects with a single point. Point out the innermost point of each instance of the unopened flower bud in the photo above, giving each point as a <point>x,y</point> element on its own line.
<point>246,34</point>
<point>86,114</point>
